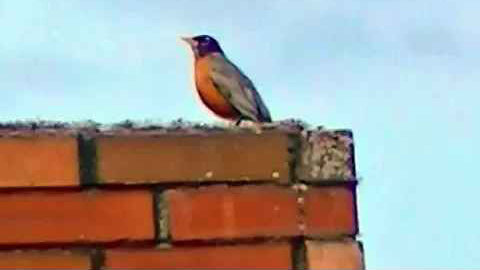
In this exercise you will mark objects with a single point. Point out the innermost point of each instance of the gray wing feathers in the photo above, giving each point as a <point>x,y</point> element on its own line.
<point>238,89</point>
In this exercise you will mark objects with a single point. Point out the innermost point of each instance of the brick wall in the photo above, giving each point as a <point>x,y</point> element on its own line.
<point>149,199</point>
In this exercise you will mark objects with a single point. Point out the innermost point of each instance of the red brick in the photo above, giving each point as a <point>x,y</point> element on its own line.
<point>330,211</point>
<point>232,212</point>
<point>334,255</point>
<point>266,256</point>
<point>73,216</point>
<point>184,158</point>
<point>52,259</point>
<point>38,161</point>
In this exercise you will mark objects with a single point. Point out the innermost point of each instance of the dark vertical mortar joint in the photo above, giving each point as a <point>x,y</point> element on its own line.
<point>294,150</point>
<point>299,254</point>
<point>87,152</point>
<point>97,259</point>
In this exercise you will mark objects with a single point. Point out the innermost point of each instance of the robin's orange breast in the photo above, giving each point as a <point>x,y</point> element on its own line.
<point>209,94</point>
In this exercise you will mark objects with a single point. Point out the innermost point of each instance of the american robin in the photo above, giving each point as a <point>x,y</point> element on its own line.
<point>222,86</point>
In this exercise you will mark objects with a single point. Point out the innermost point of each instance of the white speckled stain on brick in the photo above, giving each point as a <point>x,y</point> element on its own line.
<point>326,156</point>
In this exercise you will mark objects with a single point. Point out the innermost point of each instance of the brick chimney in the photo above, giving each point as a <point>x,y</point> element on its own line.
<point>112,199</point>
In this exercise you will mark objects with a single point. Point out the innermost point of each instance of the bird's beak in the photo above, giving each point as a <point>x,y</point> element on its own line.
<point>190,41</point>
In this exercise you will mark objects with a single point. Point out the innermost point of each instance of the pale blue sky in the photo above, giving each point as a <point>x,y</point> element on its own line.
<point>403,75</point>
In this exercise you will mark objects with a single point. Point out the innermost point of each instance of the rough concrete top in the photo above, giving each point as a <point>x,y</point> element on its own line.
<point>179,126</point>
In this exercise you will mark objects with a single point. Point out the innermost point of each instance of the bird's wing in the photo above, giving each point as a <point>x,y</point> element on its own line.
<point>238,89</point>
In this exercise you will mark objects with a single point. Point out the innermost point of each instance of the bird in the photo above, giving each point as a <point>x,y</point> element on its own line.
<point>222,86</point>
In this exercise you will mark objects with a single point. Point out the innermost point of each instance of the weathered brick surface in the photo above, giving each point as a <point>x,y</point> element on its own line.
<point>71,216</point>
<point>38,161</point>
<point>330,211</point>
<point>50,259</point>
<point>260,221</point>
<point>326,156</point>
<point>186,158</point>
<point>253,256</point>
<point>232,212</point>
<point>334,255</point>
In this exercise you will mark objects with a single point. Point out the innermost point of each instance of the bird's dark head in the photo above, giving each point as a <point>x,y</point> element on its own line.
<point>203,45</point>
